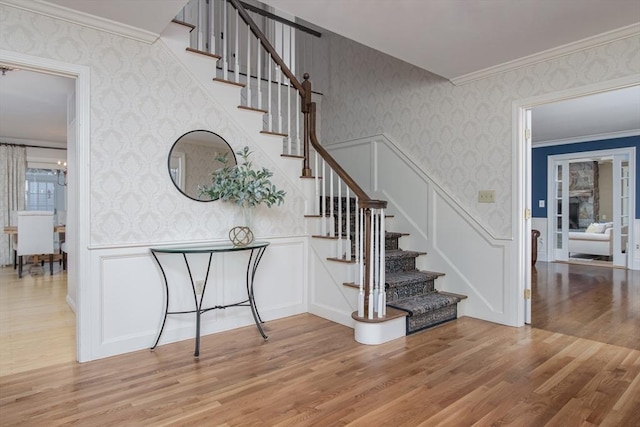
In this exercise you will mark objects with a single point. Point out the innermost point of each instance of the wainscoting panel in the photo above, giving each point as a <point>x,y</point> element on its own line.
<point>475,263</point>
<point>328,297</point>
<point>540,224</point>
<point>128,301</point>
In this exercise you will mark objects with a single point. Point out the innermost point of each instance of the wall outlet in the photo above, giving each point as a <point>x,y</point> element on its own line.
<point>199,287</point>
<point>487,196</point>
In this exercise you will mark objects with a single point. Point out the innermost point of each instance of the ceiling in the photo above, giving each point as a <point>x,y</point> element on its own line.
<point>478,34</point>
<point>453,38</point>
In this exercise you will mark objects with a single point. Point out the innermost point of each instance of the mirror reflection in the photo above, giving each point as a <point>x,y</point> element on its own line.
<point>192,160</point>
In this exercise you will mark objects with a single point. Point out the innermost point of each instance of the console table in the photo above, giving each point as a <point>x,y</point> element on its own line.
<point>256,251</point>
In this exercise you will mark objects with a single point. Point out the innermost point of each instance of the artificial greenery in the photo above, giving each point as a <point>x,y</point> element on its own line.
<point>241,184</point>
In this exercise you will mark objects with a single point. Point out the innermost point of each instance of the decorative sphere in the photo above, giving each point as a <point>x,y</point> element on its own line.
<point>240,236</point>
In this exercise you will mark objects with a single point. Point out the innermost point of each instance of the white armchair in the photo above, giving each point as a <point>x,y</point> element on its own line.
<point>35,236</point>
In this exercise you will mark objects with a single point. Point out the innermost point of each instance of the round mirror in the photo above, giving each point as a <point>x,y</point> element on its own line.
<point>192,160</point>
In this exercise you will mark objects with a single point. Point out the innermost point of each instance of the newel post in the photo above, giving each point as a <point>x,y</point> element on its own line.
<point>306,110</point>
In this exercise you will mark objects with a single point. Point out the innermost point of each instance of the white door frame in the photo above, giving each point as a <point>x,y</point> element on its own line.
<point>629,152</point>
<point>521,162</point>
<point>78,218</point>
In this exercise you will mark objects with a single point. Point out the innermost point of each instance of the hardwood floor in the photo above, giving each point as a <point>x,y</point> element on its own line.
<point>311,372</point>
<point>37,327</point>
<point>594,302</point>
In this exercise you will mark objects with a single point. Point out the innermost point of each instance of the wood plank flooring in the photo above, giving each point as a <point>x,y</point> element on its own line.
<point>311,372</point>
<point>37,327</point>
<point>594,302</point>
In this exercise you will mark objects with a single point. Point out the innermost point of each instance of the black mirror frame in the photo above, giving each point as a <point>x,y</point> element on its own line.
<point>232,160</point>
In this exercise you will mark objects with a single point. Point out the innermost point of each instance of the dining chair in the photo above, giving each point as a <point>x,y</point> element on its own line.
<point>35,236</point>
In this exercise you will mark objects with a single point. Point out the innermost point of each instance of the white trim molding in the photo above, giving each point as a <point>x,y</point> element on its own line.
<point>566,49</point>
<point>587,138</point>
<point>86,20</point>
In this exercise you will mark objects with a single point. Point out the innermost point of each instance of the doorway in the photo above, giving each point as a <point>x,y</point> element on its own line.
<point>591,206</point>
<point>37,115</point>
<point>77,229</point>
<point>522,185</point>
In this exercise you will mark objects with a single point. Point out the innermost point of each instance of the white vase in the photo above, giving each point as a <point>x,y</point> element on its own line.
<point>242,235</point>
<point>247,215</point>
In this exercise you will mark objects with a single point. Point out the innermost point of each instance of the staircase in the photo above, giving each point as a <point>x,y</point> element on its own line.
<point>413,291</point>
<point>409,291</point>
<point>393,297</point>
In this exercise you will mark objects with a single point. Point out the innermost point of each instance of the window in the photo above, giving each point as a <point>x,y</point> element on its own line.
<point>42,190</point>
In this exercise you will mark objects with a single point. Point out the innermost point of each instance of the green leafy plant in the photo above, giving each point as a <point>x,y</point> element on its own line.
<point>242,184</point>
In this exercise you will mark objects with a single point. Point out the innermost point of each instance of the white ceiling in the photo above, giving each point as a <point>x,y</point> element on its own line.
<point>453,38</point>
<point>150,15</point>
<point>33,107</point>
<point>472,39</point>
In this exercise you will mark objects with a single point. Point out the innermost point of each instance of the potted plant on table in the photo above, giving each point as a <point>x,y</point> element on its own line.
<point>244,186</point>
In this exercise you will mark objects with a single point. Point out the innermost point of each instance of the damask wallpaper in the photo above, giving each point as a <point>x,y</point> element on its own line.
<point>142,100</point>
<point>461,136</point>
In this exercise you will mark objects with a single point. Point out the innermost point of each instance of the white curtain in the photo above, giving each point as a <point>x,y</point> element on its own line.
<point>13,168</point>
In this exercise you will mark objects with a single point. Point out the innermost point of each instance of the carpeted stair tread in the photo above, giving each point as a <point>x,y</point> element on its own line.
<point>402,278</point>
<point>399,253</point>
<point>421,304</point>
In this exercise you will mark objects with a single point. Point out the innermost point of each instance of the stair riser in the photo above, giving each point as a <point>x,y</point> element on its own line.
<point>431,319</point>
<point>410,289</point>
<point>400,264</point>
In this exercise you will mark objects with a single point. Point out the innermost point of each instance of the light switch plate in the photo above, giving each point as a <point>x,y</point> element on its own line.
<point>541,203</point>
<point>487,196</point>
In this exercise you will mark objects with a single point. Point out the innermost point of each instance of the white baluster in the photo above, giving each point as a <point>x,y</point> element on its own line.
<point>332,223</point>
<point>348,254</point>
<point>225,42</point>
<point>376,261</point>
<point>382,299</point>
<point>249,102</point>
<point>236,53</point>
<point>370,258</point>
<point>359,221</point>
<point>279,109</point>
<point>289,117</point>
<point>339,253</point>
<point>269,106</point>
<point>259,71</point>
<point>323,200</point>
<point>212,28</point>
<point>297,113</point>
<point>317,180</point>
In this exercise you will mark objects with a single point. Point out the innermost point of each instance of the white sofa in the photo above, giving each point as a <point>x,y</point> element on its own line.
<point>596,240</point>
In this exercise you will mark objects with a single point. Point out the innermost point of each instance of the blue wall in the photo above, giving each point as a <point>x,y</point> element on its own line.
<point>539,166</point>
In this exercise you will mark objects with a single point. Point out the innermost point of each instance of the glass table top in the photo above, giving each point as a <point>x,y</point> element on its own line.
<point>208,247</point>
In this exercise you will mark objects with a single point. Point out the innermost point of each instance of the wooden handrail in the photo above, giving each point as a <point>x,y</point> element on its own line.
<point>309,111</point>
<point>265,43</point>
<point>363,199</point>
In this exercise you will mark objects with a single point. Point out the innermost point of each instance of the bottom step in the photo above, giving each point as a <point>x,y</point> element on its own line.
<point>427,310</point>
<point>379,330</point>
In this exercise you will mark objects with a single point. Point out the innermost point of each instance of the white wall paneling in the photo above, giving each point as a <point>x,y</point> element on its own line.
<point>476,263</point>
<point>128,300</point>
<point>540,224</point>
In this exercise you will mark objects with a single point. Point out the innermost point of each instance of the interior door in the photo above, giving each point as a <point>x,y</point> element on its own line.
<point>559,230</point>
<point>527,218</point>
<point>621,209</point>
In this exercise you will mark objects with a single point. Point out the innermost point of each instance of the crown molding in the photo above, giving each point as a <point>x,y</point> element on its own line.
<point>86,20</point>
<point>587,138</point>
<point>589,42</point>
